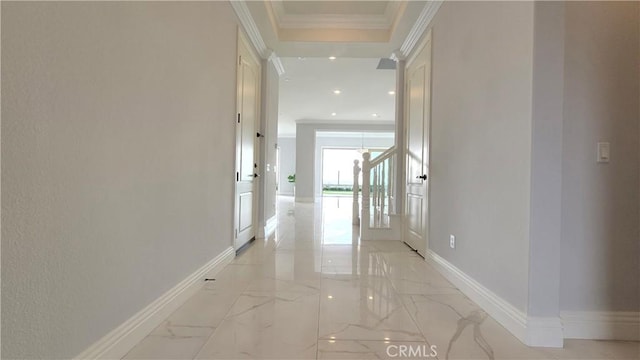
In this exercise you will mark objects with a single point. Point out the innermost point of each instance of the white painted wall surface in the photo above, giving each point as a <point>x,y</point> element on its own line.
<point>268,128</point>
<point>287,164</point>
<point>117,143</point>
<point>481,142</point>
<point>600,245</point>
<point>546,161</point>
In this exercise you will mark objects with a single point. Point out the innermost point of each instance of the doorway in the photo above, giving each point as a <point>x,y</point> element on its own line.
<point>248,115</point>
<point>418,115</point>
<point>337,171</point>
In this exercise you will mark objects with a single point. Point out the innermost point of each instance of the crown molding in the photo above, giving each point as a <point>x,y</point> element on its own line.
<point>252,31</point>
<point>250,27</point>
<point>345,122</point>
<point>426,15</point>
<point>277,63</point>
<point>334,21</point>
<point>397,56</point>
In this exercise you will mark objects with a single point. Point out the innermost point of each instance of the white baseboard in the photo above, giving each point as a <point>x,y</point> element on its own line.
<point>545,332</point>
<point>601,325</point>
<point>269,227</point>
<point>122,339</point>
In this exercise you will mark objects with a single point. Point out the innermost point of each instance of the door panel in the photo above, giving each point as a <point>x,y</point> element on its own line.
<point>415,125</point>
<point>418,110</point>
<point>246,147</point>
<point>246,211</point>
<point>414,218</point>
<point>248,121</point>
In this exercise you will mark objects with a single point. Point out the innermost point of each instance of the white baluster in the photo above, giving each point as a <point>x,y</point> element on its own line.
<point>356,188</point>
<point>391,190</point>
<point>366,192</point>
<point>383,188</point>
<point>382,192</point>
<point>375,196</point>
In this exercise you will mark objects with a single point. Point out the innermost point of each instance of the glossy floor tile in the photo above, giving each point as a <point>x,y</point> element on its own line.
<point>315,291</point>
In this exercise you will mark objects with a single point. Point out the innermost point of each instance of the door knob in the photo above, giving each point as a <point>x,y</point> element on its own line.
<point>423,177</point>
<point>256,175</point>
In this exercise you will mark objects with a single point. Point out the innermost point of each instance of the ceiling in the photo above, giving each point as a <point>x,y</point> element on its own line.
<point>308,85</point>
<point>370,29</point>
<point>305,33</point>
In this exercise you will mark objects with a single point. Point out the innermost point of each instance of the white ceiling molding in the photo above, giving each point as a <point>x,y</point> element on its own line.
<point>428,13</point>
<point>397,56</point>
<point>250,27</point>
<point>380,134</point>
<point>343,122</point>
<point>277,63</point>
<point>334,21</point>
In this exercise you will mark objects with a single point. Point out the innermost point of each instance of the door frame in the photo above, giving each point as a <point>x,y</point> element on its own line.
<point>410,60</point>
<point>243,41</point>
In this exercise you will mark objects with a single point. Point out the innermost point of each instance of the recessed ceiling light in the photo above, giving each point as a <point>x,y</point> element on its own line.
<point>370,297</point>
<point>329,297</point>
<point>332,57</point>
<point>333,114</point>
<point>337,92</point>
<point>374,115</point>
<point>392,92</point>
<point>301,57</point>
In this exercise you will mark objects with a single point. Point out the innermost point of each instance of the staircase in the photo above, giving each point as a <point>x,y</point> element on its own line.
<point>379,219</point>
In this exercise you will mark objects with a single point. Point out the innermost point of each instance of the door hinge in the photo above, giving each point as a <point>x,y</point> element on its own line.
<point>237,176</point>
<point>240,60</point>
<point>236,233</point>
<point>238,118</point>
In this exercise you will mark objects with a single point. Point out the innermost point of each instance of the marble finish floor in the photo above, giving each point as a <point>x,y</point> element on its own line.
<point>315,291</point>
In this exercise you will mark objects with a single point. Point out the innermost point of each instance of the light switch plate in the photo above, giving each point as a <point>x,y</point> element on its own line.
<point>604,152</point>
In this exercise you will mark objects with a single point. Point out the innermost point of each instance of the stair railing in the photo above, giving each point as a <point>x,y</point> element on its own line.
<point>378,188</point>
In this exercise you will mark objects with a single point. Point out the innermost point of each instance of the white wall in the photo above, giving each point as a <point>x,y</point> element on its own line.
<point>546,161</point>
<point>481,142</point>
<point>287,164</point>
<point>522,92</point>
<point>600,244</point>
<point>116,154</point>
<point>268,143</point>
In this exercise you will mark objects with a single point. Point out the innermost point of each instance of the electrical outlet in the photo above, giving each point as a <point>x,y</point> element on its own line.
<point>452,241</point>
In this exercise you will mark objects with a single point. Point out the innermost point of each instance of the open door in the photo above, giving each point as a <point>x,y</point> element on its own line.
<point>418,112</point>
<point>248,105</point>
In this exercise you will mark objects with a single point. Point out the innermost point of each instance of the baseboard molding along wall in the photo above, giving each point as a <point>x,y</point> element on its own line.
<point>269,227</point>
<point>122,339</point>
<point>544,332</point>
<point>601,325</point>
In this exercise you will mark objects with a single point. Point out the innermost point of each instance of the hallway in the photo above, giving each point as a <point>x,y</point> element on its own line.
<point>315,291</point>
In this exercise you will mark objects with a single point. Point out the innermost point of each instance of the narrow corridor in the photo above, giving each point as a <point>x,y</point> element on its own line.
<point>315,291</point>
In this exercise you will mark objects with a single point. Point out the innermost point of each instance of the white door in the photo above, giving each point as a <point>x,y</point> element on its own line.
<point>418,110</point>
<point>246,147</point>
